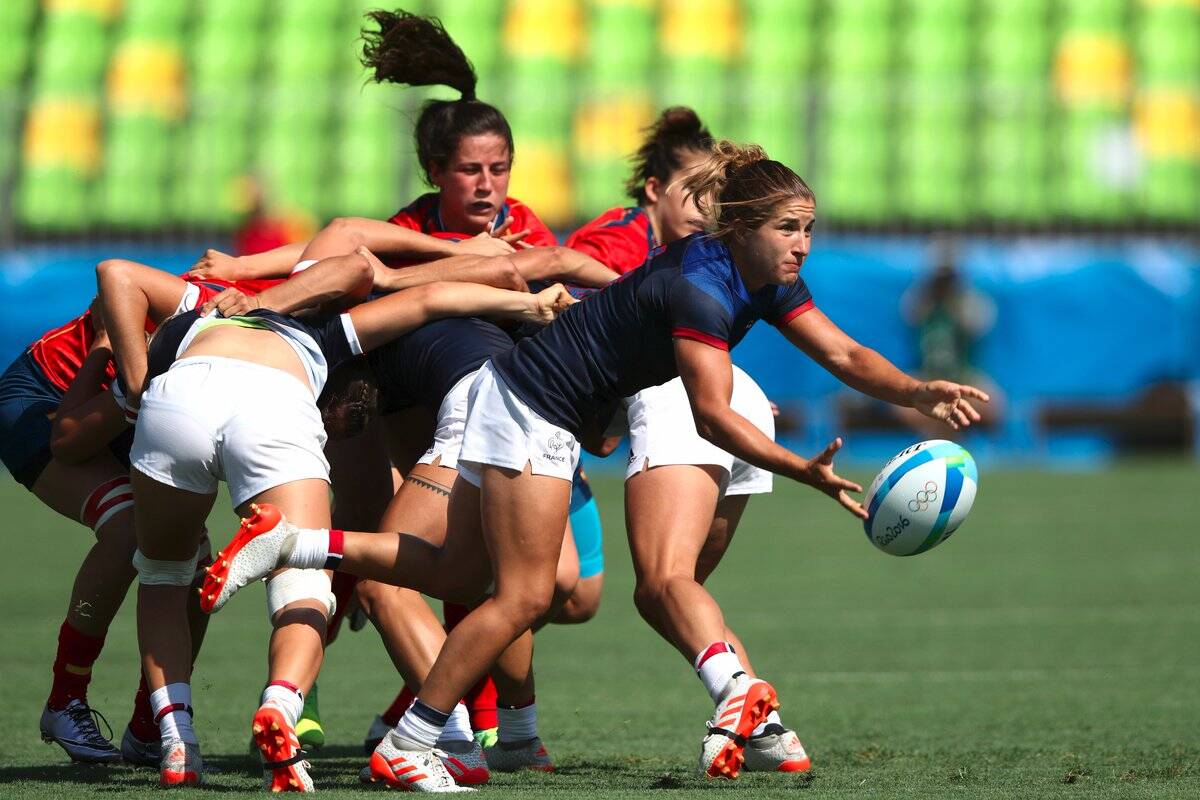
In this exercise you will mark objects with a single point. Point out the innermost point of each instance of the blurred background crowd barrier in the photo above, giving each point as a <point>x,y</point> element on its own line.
<point>1044,152</point>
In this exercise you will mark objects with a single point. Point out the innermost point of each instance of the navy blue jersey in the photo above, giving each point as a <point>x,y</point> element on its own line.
<point>322,344</point>
<point>420,368</point>
<point>619,340</point>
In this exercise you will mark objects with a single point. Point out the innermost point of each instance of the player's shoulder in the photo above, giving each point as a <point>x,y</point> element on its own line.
<point>415,213</point>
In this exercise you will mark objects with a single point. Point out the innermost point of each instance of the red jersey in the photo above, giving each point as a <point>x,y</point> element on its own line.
<point>423,215</point>
<point>620,239</point>
<point>59,352</point>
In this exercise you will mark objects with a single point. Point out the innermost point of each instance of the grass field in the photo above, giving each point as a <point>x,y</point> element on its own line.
<point>1050,649</point>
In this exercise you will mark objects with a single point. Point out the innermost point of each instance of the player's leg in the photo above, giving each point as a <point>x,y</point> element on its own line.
<point>299,603</point>
<point>97,494</point>
<point>587,536</point>
<point>772,747</point>
<point>516,509</point>
<point>410,630</point>
<point>170,526</point>
<point>518,745</point>
<point>362,478</point>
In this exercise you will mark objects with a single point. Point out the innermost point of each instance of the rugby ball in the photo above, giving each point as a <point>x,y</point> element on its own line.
<point>920,497</point>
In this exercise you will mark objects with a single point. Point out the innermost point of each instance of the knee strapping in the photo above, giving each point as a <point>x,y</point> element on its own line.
<point>159,572</point>
<point>293,585</point>
<point>106,501</point>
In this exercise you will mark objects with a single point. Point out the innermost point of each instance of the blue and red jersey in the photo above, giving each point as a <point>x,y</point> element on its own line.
<point>620,239</point>
<point>620,339</point>
<point>423,215</point>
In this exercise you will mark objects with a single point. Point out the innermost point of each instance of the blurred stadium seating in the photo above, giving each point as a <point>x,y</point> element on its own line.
<point>145,115</point>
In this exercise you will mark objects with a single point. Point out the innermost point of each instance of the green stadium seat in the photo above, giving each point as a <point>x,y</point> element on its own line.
<point>154,18</point>
<point>70,55</point>
<point>1168,45</point>
<point>1171,191</point>
<point>53,200</point>
<point>699,83</point>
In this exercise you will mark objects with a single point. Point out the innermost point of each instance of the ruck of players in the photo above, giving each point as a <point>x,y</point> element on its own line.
<point>398,407</point>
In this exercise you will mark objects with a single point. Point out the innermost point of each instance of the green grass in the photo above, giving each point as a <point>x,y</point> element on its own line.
<point>1050,649</point>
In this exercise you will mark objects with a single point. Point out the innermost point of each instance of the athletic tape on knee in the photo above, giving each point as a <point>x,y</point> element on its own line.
<point>292,585</point>
<point>157,572</point>
<point>105,501</point>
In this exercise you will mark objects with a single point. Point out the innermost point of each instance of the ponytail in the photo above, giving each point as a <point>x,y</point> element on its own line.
<point>738,187</point>
<point>676,130</point>
<point>414,50</point>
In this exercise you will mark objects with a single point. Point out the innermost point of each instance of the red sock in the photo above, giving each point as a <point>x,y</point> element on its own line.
<point>142,723</point>
<point>73,666</point>
<point>481,703</point>
<point>396,710</point>
<point>481,700</point>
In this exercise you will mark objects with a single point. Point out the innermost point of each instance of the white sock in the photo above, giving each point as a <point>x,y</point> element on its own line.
<point>420,727</point>
<point>288,697</point>
<point>716,666</point>
<point>772,719</point>
<point>315,548</point>
<point>517,724</point>
<point>172,707</point>
<point>458,727</point>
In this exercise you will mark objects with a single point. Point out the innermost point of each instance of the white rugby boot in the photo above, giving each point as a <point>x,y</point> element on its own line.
<point>745,703</point>
<point>776,749</point>
<point>397,764</point>
<point>511,757</point>
<point>181,764</point>
<point>139,753</point>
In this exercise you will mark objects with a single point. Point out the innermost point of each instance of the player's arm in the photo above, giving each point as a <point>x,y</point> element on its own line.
<point>562,264</point>
<point>707,375</point>
<point>869,372</point>
<point>347,234</point>
<point>129,293</point>
<point>379,321</point>
<point>330,279</point>
<point>88,418</point>
<point>498,271</point>
<point>274,263</point>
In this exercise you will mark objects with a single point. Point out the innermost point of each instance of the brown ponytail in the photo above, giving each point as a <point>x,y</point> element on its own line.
<point>739,187</point>
<point>676,130</point>
<point>411,49</point>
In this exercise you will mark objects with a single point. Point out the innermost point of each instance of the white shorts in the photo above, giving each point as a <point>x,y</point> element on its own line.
<point>504,432</point>
<point>662,431</point>
<point>451,422</point>
<point>208,419</point>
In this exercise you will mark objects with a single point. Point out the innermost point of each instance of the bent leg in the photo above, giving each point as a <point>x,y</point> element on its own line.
<point>665,541</point>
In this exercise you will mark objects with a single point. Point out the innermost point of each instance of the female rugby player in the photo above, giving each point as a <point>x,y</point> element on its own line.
<point>678,315</point>
<point>676,547</point>
<point>200,423</point>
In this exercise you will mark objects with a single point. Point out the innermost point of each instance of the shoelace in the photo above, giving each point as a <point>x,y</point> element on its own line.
<point>84,717</point>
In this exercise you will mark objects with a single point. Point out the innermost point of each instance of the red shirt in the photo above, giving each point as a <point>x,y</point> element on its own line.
<point>423,215</point>
<point>59,352</point>
<point>620,239</point>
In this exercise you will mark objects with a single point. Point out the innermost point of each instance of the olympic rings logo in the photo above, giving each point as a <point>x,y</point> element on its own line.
<point>924,497</point>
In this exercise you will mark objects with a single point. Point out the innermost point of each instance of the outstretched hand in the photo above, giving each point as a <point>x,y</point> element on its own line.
<point>820,475</point>
<point>949,402</point>
<point>549,303</point>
